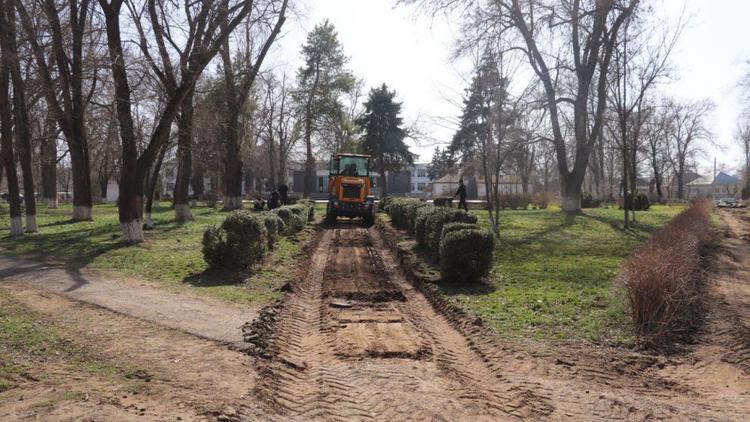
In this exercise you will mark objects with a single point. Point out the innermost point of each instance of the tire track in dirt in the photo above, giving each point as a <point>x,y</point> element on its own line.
<point>354,340</point>
<point>730,322</point>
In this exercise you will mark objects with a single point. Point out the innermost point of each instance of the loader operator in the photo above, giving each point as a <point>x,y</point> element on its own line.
<point>461,193</point>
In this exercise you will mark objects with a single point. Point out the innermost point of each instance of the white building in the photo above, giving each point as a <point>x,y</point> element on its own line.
<point>507,184</point>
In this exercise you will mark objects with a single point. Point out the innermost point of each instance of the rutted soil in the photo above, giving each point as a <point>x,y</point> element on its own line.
<point>133,370</point>
<point>355,340</point>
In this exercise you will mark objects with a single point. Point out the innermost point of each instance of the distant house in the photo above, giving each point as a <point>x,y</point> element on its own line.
<point>475,187</point>
<point>721,187</point>
<point>671,187</point>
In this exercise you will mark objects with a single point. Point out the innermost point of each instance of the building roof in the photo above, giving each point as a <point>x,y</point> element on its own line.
<point>720,179</point>
<point>725,179</point>
<point>701,181</point>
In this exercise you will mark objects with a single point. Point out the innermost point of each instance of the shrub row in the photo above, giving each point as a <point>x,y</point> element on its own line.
<point>295,216</point>
<point>450,235</point>
<point>243,237</point>
<point>663,277</point>
<point>403,211</point>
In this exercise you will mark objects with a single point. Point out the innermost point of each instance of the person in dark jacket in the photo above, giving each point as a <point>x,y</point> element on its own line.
<point>273,202</point>
<point>283,190</point>
<point>461,194</point>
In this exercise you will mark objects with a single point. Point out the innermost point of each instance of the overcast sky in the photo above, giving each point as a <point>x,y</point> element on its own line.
<point>412,54</point>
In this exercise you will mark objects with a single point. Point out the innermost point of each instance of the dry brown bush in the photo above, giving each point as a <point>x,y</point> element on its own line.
<point>663,278</point>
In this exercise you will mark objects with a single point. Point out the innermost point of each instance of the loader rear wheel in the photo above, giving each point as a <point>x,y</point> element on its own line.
<point>368,220</point>
<point>330,216</point>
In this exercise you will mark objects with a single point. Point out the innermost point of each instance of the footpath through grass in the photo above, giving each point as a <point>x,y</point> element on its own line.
<point>554,274</point>
<point>171,255</point>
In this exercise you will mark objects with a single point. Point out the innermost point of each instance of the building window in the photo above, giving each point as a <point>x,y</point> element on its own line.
<point>413,187</point>
<point>420,187</point>
<point>421,173</point>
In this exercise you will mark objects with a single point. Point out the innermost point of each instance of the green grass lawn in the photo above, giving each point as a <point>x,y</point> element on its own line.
<point>554,275</point>
<point>171,255</point>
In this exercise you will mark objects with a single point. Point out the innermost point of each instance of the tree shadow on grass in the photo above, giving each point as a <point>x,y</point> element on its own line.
<point>481,287</point>
<point>211,278</point>
<point>62,223</point>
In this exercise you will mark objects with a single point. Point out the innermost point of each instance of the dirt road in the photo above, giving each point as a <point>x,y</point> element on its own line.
<point>356,341</point>
<point>202,317</point>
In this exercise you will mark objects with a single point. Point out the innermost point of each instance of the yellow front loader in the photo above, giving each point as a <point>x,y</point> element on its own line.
<point>349,187</point>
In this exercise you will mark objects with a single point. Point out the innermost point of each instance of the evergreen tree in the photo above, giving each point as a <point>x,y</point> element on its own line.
<point>441,164</point>
<point>321,80</point>
<point>383,135</point>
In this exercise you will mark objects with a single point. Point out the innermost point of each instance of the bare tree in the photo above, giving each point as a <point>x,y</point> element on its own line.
<point>239,77</point>
<point>20,111</point>
<point>67,95</point>
<point>210,23</point>
<point>569,46</point>
<point>686,129</point>
<point>641,62</point>
<point>743,137</point>
<point>6,130</point>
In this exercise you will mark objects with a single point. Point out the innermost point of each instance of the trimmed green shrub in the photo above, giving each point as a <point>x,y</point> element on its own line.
<point>421,220</point>
<point>403,211</point>
<point>588,201</point>
<point>294,217</point>
<point>384,202</point>
<point>452,227</point>
<point>435,222</point>
<point>638,202</point>
<point>466,254</point>
<point>239,242</point>
<point>443,201</point>
<point>215,249</point>
<point>412,208</point>
<point>274,227</point>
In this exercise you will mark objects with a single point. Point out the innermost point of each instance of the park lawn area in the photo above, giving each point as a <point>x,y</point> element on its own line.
<point>171,256</point>
<point>554,276</point>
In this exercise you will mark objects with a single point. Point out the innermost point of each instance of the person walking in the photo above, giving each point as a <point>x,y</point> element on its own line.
<point>461,194</point>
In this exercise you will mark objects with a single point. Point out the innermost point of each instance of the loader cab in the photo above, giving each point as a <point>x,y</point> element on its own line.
<point>350,165</point>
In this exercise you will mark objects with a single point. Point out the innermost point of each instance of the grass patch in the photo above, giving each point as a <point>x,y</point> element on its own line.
<point>24,337</point>
<point>29,341</point>
<point>553,274</point>
<point>171,255</point>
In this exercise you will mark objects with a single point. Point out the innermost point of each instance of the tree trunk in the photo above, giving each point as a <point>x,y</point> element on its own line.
<point>196,181</point>
<point>21,119</point>
<point>152,184</point>
<point>6,149</point>
<point>571,194</point>
<point>79,162</point>
<point>272,160</point>
<point>184,160</point>
<point>48,161</point>
<point>383,179</point>
<point>233,166</point>
<point>625,179</point>
<point>310,160</point>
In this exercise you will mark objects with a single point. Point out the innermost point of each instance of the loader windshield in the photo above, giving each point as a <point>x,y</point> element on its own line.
<point>350,166</point>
